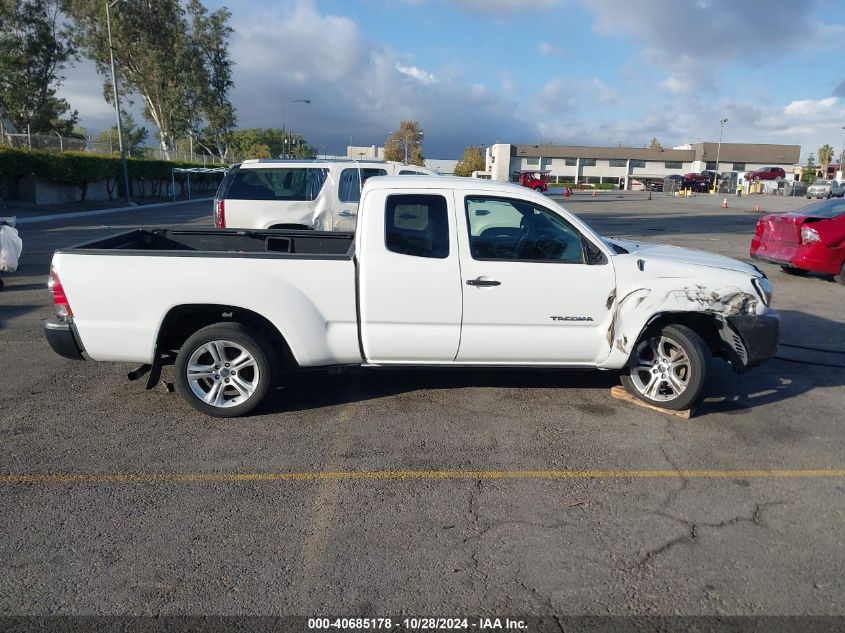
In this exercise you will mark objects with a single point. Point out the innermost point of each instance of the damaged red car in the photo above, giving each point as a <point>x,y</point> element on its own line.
<point>811,239</point>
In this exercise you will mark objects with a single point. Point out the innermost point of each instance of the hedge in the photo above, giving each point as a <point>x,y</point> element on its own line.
<point>81,168</point>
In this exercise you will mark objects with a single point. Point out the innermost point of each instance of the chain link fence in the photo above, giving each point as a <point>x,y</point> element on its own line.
<point>56,143</point>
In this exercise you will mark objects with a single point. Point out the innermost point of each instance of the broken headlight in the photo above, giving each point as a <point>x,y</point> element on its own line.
<point>764,288</point>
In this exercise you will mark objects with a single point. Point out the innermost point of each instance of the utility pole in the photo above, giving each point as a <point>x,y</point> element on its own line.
<point>117,104</point>
<point>288,136</point>
<point>718,151</point>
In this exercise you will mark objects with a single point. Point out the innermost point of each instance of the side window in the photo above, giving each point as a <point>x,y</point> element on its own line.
<point>284,183</point>
<point>417,225</point>
<point>410,172</point>
<point>349,188</point>
<point>503,228</point>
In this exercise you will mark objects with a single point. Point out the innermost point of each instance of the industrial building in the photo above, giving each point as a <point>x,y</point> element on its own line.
<point>620,165</point>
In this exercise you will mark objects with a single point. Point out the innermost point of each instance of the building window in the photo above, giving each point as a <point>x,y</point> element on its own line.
<point>710,165</point>
<point>592,180</point>
<point>571,162</point>
<point>618,162</point>
<point>637,163</point>
<point>739,166</point>
<point>673,164</point>
<point>588,162</point>
<point>533,161</point>
<point>417,225</point>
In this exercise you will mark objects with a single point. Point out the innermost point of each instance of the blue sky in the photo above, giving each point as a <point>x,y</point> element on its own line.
<point>569,71</point>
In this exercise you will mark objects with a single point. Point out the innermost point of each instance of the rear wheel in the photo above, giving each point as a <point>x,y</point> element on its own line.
<point>224,370</point>
<point>669,368</point>
<point>840,278</point>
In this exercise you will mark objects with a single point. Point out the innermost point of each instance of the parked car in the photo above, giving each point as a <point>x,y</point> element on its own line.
<point>696,182</point>
<point>811,239</point>
<point>837,190</point>
<point>767,173</point>
<point>538,180</point>
<point>654,185</point>
<point>298,194</point>
<point>441,271</point>
<point>821,189</point>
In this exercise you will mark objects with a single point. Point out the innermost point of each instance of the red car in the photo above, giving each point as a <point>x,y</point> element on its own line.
<point>767,173</point>
<point>810,239</point>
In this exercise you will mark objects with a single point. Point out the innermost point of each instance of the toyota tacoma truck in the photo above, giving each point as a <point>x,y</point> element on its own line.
<point>441,272</point>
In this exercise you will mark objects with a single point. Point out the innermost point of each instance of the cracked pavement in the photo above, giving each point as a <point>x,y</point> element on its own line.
<point>660,546</point>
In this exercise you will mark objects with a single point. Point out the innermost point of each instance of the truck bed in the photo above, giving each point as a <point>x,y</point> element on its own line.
<point>223,242</point>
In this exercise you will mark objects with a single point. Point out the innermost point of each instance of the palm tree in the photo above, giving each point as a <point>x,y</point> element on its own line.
<point>825,156</point>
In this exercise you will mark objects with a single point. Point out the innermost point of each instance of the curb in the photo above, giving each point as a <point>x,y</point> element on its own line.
<point>82,214</point>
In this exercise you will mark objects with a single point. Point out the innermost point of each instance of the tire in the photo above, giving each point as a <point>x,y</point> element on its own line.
<point>798,272</point>
<point>214,391</point>
<point>840,278</point>
<point>685,357</point>
<point>538,189</point>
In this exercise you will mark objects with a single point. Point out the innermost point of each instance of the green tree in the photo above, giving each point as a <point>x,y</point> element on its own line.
<point>210,44</point>
<point>133,136</point>
<point>274,138</point>
<point>825,156</point>
<point>153,55</point>
<point>655,144</point>
<point>35,47</point>
<point>405,141</point>
<point>472,160</point>
<point>809,172</point>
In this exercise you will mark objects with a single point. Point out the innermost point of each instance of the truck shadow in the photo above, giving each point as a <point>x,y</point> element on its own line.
<point>794,372</point>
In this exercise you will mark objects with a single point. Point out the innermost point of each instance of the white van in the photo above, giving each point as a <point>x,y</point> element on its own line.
<point>299,194</point>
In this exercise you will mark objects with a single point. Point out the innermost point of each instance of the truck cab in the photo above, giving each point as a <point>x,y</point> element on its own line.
<point>533,179</point>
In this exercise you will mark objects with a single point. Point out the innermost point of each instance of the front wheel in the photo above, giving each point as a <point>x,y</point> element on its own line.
<point>668,368</point>
<point>224,370</point>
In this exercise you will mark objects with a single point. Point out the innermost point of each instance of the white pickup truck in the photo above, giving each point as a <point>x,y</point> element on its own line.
<point>441,272</point>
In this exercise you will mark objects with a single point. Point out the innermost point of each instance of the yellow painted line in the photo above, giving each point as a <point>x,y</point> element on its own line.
<point>144,478</point>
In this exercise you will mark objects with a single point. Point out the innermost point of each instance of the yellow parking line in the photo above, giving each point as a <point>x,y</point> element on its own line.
<point>96,478</point>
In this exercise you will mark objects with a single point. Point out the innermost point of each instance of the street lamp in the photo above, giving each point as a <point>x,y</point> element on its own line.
<point>407,140</point>
<point>109,5</point>
<point>349,147</point>
<point>718,151</point>
<point>284,121</point>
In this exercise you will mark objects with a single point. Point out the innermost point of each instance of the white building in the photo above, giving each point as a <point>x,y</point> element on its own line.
<point>618,165</point>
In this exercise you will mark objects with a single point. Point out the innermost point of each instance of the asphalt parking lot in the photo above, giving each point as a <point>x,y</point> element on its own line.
<point>428,492</point>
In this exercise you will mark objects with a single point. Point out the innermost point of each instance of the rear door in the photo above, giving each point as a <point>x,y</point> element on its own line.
<point>350,181</point>
<point>410,291</point>
<point>535,290</point>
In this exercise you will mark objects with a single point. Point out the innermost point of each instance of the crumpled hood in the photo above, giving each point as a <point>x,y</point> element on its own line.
<point>667,255</point>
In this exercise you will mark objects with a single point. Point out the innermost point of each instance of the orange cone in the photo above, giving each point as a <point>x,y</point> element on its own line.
<point>758,207</point>
<point>594,193</point>
<point>725,203</point>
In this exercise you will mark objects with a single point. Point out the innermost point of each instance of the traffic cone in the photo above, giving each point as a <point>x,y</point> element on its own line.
<point>757,208</point>
<point>594,193</point>
<point>725,203</point>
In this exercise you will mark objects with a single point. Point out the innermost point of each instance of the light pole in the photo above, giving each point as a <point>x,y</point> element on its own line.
<point>406,145</point>
<point>284,122</point>
<point>349,147</point>
<point>109,5</point>
<point>718,152</point>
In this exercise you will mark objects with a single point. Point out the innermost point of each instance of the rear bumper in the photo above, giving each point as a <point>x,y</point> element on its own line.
<point>63,339</point>
<point>816,258</point>
<point>759,334</point>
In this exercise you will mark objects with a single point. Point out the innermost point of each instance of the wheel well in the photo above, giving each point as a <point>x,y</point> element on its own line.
<point>707,326</point>
<point>182,321</point>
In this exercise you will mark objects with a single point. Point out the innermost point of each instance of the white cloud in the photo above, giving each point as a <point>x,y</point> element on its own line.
<point>550,50</point>
<point>416,73</point>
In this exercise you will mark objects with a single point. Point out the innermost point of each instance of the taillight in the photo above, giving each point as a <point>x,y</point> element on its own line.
<point>220,214</point>
<point>54,285</point>
<point>809,235</point>
<point>759,230</point>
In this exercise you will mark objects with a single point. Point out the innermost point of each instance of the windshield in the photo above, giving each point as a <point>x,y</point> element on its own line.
<point>823,183</point>
<point>832,208</point>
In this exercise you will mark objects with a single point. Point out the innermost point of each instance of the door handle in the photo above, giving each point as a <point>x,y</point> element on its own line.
<point>483,281</point>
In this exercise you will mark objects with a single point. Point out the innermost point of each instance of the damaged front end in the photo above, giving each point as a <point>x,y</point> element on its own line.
<point>737,324</point>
